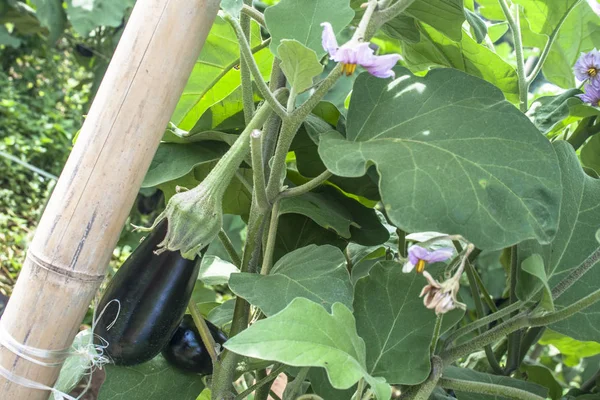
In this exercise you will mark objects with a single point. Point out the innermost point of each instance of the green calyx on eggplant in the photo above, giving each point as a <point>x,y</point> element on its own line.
<point>186,350</point>
<point>145,301</point>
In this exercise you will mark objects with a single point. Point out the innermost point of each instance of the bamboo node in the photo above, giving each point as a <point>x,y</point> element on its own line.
<point>71,274</point>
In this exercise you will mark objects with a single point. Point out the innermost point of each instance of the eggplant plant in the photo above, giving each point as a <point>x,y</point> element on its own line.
<point>394,199</point>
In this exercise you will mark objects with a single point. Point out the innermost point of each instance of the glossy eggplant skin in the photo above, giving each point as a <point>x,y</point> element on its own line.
<point>153,291</point>
<point>186,350</point>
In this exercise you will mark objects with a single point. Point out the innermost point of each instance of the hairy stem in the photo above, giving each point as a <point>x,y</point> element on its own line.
<point>575,274</point>
<point>258,172</point>
<point>424,390</point>
<point>487,388</point>
<point>253,13</point>
<point>272,235</point>
<point>512,17</point>
<point>245,73</point>
<point>267,379</point>
<point>514,339</point>
<point>249,58</point>
<point>308,186</point>
<point>230,248</point>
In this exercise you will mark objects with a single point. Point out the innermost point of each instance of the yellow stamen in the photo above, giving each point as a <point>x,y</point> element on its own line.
<point>348,69</point>
<point>420,267</point>
<point>592,72</point>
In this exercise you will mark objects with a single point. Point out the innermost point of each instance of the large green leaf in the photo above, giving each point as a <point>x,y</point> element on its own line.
<point>579,33</point>
<point>173,161</point>
<point>215,76</point>
<point>320,209</point>
<point>153,380</point>
<point>304,334</point>
<point>85,16</point>
<point>396,326</point>
<point>317,273</point>
<point>296,231</point>
<point>543,376</point>
<point>447,16</point>
<point>450,137</point>
<point>551,114</point>
<point>435,49</point>
<point>51,15</point>
<point>301,21</point>
<point>574,242</point>
<point>470,375</point>
<point>321,386</point>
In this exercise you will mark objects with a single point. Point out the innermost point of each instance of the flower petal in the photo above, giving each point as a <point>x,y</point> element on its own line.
<point>439,255</point>
<point>408,267</point>
<point>328,39</point>
<point>416,253</point>
<point>586,62</point>
<point>591,95</point>
<point>381,66</point>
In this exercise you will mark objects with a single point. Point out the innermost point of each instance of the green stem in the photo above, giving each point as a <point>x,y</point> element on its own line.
<point>483,322</point>
<point>424,390</point>
<point>230,248</point>
<point>294,387</point>
<point>587,386</point>
<point>437,329</point>
<point>207,338</point>
<point>262,393</point>
<point>245,73</point>
<point>566,312</point>
<point>258,172</point>
<point>549,43</point>
<point>531,337</point>
<point>308,186</point>
<point>515,26</point>
<point>269,378</point>
<point>514,339</point>
<point>260,82</point>
<point>254,14</point>
<point>278,166</point>
<point>360,388</point>
<point>575,274</point>
<point>401,242</point>
<point>393,11</point>
<point>489,353</point>
<point>482,289</point>
<point>272,235</point>
<point>487,388</point>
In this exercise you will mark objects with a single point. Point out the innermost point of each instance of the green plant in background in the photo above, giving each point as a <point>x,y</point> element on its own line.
<point>320,175</point>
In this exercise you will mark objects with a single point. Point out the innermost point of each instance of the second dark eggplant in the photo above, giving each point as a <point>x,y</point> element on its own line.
<point>153,292</point>
<point>186,350</point>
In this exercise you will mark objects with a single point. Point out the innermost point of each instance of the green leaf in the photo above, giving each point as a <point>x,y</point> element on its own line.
<point>478,26</point>
<point>6,39</point>
<point>590,153</point>
<point>436,50</point>
<point>534,279</point>
<point>579,33</point>
<point>571,349</point>
<point>320,209</point>
<point>470,375</point>
<point>543,376</point>
<point>322,387</point>
<point>551,114</point>
<point>317,273</point>
<point>173,161</point>
<point>205,395</point>
<point>233,7</point>
<point>85,16</point>
<point>304,334</point>
<point>78,364</point>
<point>459,141</point>
<point>214,271</point>
<point>301,21</point>
<point>51,15</point>
<point>403,28</point>
<point>215,76</point>
<point>223,314</point>
<point>299,64</point>
<point>153,380</point>
<point>574,242</point>
<point>447,16</point>
<point>296,231</point>
<point>396,326</point>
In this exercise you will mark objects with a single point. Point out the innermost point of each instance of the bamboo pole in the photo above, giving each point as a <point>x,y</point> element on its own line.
<point>68,256</point>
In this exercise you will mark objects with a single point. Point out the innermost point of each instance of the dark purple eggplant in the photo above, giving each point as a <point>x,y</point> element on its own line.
<point>153,291</point>
<point>186,350</point>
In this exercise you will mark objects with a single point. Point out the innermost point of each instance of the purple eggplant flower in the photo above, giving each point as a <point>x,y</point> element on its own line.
<point>352,54</point>
<point>419,256</point>
<point>588,66</point>
<point>591,94</point>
